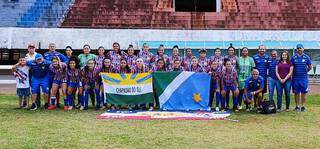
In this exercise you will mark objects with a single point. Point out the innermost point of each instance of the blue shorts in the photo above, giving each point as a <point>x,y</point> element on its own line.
<point>74,84</point>
<point>300,86</point>
<point>230,88</point>
<point>247,95</point>
<point>59,82</point>
<point>22,92</point>
<point>36,83</point>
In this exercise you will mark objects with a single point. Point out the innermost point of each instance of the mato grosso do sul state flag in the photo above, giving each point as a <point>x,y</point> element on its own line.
<point>124,89</point>
<point>182,90</point>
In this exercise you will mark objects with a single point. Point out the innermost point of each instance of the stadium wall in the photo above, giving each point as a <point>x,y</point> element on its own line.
<point>18,38</point>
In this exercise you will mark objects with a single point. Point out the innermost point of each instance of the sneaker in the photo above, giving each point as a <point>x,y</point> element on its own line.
<point>58,105</point>
<point>278,110</point>
<point>151,109</point>
<point>86,108</point>
<point>97,108</point>
<point>217,109</point>
<point>70,107</point>
<point>18,108</point>
<point>38,102</point>
<point>287,110</point>
<point>297,109</point>
<point>303,109</point>
<point>78,106</point>
<point>65,108</point>
<point>46,105</point>
<point>33,107</point>
<point>240,107</point>
<point>52,107</point>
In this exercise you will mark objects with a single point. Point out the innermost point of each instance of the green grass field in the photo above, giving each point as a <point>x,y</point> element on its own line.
<point>80,129</point>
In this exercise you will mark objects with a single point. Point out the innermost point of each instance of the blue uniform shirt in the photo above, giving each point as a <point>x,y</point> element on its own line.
<point>300,66</point>
<point>272,68</point>
<point>49,55</point>
<point>254,85</point>
<point>39,70</point>
<point>262,64</point>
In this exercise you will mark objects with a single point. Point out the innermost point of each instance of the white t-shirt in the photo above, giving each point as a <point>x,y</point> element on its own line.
<point>29,57</point>
<point>22,77</point>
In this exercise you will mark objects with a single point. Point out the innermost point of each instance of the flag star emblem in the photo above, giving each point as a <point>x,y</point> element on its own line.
<point>197,97</point>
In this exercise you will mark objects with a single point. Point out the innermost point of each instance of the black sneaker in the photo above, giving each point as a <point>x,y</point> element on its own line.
<point>38,102</point>
<point>303,109</point>
<point>86,108</point>
<point>24,103</point>
<point>33,107</point>
<point>297,109</point>
<point>46,105</point>
<point>58,106</point>
<point>78,106</point>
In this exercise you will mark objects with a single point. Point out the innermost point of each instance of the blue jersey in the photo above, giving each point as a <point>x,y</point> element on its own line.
<point>272,68</point>
<point>254,85</point>
<point>300,66</point>
<point>39,70</point>
<point>49,55</point>
<point>261,64</point>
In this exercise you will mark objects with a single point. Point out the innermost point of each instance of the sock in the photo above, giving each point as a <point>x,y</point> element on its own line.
<point>218,99</point>
<point>66,102</point>
<point>81,97</point>
<point>97,92</point>
<point>53,100</point>
<point>86,98</point>
<point>223,101</point>
<point>70,99</point>
<point>235,102</point>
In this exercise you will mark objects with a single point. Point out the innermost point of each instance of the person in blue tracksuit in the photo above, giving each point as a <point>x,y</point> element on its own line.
<point>253,89</point>
<point>301,66</point>
<point>272,63</point>
<point>261,60</point>
<point>39,68</point>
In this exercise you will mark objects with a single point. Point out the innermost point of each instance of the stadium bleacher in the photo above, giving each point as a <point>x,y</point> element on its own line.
<point>161,14</point>
<point>34,13</point>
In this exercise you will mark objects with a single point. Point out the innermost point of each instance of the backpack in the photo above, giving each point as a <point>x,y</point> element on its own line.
<point>268,107</point>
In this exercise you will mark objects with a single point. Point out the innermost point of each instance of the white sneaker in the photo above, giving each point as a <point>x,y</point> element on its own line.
<point>217,109</point>
<point>240,108</point>
<point>81,108</point>
<point>151,109</point>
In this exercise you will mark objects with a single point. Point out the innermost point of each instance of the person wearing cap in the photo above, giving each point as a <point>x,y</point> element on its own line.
<point>301,65</point>
<point>85,56</point>
<point>261,60</point>
<point>245,65</point>
<point>31,52</point>
<point>31,56</point>
<point>39,68</point>
<point>203,60</point>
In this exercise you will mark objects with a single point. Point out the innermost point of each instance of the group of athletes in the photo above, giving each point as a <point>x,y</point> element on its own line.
<point>78,77</point>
